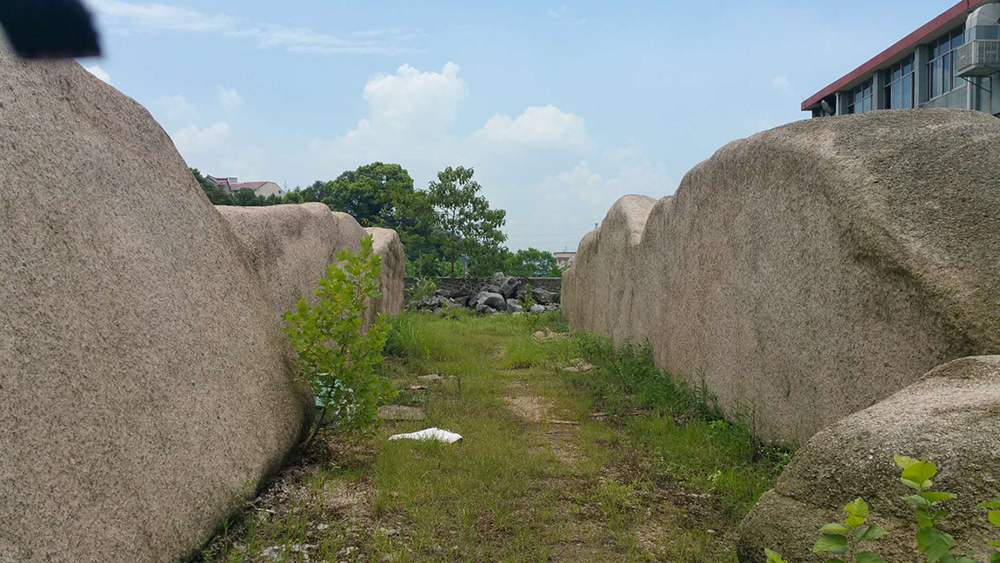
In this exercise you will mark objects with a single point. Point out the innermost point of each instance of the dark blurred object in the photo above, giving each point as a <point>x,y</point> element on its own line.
<point>49,29</point>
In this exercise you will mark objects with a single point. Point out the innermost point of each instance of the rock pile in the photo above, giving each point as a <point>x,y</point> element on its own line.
<point>502,294</point>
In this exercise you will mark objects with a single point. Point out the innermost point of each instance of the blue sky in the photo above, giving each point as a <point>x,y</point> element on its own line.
<point>560,107</point>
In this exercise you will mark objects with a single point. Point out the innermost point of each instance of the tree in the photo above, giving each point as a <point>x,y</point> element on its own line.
<point>216,195</point>
<point>292,197</point>
<point>316,192</point>
<point>382,195</point>
<point>468,227</point>
<point>533,263</point>
<point>373,194</point>
<point>337,354</point>
<point>248,198</point>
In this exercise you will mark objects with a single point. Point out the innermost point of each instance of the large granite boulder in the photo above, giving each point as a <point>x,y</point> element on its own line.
<point>291,246</point>
<point>812,270</point>
<point>390,248</point>
<point>949,416</point>
<point>143,379</point>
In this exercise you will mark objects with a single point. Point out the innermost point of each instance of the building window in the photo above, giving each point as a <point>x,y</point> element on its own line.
<point>899,85</point>
<point>941,77</point>
<point>859,100</point>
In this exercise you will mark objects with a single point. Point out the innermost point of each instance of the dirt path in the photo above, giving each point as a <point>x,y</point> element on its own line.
<point>536,477</point>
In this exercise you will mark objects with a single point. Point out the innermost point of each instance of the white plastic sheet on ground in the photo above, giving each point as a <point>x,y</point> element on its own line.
<point>429,434</point>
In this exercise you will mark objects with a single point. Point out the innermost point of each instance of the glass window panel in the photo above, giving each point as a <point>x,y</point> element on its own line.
<point>907,91</point>
<point>897,73</point>
<point>867,105</point>
<point>935,50</point>
<point>957,39</point>
<point>936,82</point>
<point>868,90</point>
<point>945,44</point>
<point>897,95</point>
<point>908,65</point>
<point>947,73</point>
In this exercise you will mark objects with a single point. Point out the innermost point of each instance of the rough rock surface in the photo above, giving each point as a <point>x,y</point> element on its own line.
<point>390,248</point>
<point>951,416</point>
<point>809,271</point>
<point>143,377</point>
<point>291,246</point>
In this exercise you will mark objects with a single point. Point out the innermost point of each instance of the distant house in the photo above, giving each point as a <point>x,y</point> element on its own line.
<point>233,185</point>
<point>564,259</point>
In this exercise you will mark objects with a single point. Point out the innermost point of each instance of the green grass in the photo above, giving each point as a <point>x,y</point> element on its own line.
<point>662,476</point>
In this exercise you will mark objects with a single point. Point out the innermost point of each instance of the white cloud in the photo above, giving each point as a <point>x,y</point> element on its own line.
<point>99,72</point>
<point>229,98</point>
<point>176,107</point>
<point>411,98</point>
<point>192,138</point>
<point>542,127</point>
<point>160,16</point>
<point>129,16</point>
<point>781,82</point>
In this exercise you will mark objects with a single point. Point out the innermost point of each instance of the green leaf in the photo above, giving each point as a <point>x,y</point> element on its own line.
<point>854,521</point>
<point>936,496</point>
<point>994,544</point>
<point>869,533</point>
<point>857,507</point>
<point>995,558</point>
<point>934,543</point>
<point>869,557</point>
<point>831,543</point>
<point>917,500</point>
<point>995,503</point>
<point>903,461</point>
<point>919,473</point>
<point>773,557</point>
<point>995,517</point>
<point>835,529</point>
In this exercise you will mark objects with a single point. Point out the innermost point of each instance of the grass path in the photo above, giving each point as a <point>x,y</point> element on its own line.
<point>541,475</point>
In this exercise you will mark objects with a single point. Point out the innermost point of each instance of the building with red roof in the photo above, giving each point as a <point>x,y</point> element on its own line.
<point>951,61</point>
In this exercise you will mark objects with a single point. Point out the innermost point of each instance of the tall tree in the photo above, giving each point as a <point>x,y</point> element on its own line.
<point>382,195</point>
<point>372,194</point>
<point>469,228</point>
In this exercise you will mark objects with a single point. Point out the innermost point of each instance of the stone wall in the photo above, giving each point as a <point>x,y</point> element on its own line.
<point>809,271</point>
<point>144,377</point>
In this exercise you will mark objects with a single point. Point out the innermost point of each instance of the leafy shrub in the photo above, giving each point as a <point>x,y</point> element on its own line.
<point>934,544</point>
<point>336,355</point>
<point>528,301</point>
<point>425,287</point>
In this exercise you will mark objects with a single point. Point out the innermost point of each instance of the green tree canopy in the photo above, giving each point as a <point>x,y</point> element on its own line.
<point>533,263</point>
<point>382,195</point>
<point>468,227</point>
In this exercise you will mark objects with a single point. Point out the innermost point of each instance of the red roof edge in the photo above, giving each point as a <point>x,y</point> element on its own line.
<point>902,45</point>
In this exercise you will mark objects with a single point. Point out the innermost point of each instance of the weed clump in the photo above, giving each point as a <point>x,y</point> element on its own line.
<point>681,423</point>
